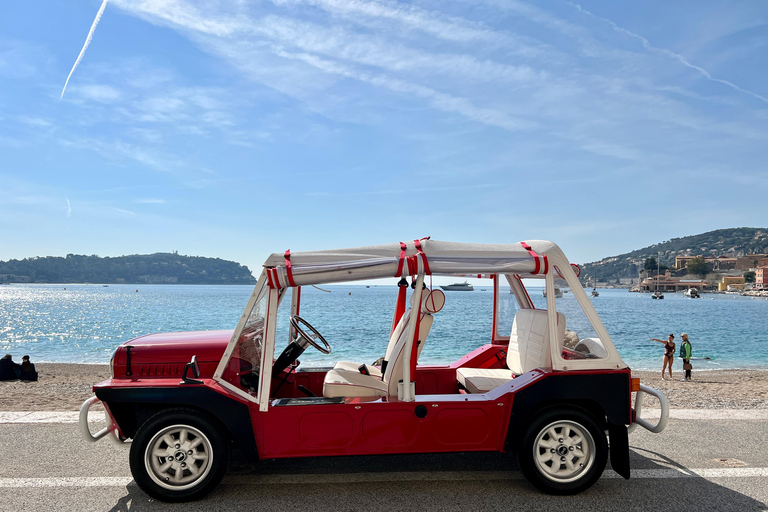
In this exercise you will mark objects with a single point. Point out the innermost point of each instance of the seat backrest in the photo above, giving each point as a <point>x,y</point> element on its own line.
<point>529,341</point>
<point>431,302</point>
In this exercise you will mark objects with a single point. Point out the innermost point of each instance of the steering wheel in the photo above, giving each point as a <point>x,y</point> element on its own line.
<point>297,347</point>
<point>296,323</point>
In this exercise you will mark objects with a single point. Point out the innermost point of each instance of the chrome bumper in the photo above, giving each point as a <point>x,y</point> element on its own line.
<point>639,408</point>
<point>111,427</point>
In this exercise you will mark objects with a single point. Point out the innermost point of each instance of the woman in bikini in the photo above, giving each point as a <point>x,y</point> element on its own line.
<point>669,354</point>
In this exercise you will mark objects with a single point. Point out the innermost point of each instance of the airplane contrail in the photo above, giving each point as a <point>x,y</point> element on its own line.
<point>646,44</point>
<point>85,46</point>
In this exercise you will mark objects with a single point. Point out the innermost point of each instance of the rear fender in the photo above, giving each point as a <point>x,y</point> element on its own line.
<point>604,396</point>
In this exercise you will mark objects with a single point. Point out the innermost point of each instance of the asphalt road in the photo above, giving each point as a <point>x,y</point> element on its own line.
<point>48,466</point>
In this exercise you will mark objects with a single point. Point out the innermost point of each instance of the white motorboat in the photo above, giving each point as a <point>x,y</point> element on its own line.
<point>692,293</point>
<point>458,287</point>
<point>558,293</point>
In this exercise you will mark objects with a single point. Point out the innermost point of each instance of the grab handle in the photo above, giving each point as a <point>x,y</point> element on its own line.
<point>639,407</point>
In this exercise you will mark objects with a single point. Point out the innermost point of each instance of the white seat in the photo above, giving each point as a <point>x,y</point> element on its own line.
<point>345,378</point>
<point>528,349</point>
<point>343,383</point>
<point>480,380</point>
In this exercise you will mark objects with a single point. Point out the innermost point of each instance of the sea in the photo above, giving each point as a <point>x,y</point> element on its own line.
<point>85,323</point>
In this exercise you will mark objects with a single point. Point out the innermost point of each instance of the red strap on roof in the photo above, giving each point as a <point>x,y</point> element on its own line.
<point>288,267</point>
<point>272,281</point>
<point>413,265</point>
<point>536,259</point>
<point>417,243</point>
<point>402,260</point>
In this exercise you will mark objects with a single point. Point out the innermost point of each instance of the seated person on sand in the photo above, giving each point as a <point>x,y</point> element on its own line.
<point>27,369</point>
<point>8,369</point>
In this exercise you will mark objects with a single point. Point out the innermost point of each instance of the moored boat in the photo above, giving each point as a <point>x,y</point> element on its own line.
<point>458,287</point>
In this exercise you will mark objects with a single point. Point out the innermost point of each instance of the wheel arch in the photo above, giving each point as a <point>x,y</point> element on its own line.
<point>605,397</point>
<point>131,408</point>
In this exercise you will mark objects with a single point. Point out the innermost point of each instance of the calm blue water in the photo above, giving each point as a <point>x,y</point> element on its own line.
<point>84,323</point>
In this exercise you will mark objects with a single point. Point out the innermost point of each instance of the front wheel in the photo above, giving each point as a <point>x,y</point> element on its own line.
<point>178,455</point>
<point>563,452</point>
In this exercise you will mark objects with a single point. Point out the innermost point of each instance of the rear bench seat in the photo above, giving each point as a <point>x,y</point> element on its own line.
<point>528,349</point>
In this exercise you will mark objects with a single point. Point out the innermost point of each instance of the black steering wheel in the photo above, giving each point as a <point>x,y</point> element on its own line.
<point>297,347</point>
<point>296,323</point>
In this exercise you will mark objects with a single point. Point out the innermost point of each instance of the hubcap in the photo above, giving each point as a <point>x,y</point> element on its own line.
<point>178,457</point>
<point>564,451</point>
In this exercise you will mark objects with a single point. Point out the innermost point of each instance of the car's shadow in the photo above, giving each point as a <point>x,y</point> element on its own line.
<point>456,481</point>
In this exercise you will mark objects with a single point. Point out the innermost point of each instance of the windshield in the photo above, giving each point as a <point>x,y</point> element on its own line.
<point>245,363</point>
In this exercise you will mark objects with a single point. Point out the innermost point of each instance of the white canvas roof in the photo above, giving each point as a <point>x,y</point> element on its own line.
<point>447,258</point>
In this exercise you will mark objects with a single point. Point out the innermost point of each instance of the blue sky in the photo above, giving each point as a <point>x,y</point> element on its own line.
<point>235,129</point>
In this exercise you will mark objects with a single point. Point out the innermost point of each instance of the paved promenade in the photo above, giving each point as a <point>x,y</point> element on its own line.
<point>705,460</point>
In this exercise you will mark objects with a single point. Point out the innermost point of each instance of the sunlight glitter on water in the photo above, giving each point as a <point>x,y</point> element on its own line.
<point>84,323</point>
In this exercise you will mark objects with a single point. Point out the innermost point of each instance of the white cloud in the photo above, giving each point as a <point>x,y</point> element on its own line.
<point>34,121</point>
<point>98,92</point>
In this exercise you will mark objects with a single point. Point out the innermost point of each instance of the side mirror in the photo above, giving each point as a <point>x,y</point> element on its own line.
<point>195,367</point>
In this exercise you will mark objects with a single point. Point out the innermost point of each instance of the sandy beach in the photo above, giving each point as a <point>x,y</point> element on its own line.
<point>64,387</point>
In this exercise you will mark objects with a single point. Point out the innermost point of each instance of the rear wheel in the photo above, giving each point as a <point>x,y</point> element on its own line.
<point>563,452</point>
<point>178,455</point>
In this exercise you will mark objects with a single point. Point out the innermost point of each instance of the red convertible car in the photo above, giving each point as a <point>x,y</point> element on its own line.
<point>548,386</point>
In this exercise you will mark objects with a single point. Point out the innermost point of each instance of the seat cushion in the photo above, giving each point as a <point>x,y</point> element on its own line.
<point>349,366</point>
<point>481,380</point>
<point>352,384</point>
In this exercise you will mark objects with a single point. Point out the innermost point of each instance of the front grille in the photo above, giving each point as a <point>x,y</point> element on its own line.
<point>159,370</point>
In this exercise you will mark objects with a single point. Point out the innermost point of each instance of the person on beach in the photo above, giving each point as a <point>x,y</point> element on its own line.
<point>685,353</point>
<point>27,370</point>
<point>669,354</point>
<point>8,369</point>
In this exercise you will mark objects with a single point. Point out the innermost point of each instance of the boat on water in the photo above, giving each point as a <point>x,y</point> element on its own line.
<point>558,293</point>
<point>458,287</point>
<point>692,293</point>
<point>657,295</point>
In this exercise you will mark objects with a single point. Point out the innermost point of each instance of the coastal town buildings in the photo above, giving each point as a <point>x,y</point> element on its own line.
<point>761,274</point>
<point>666,283</point>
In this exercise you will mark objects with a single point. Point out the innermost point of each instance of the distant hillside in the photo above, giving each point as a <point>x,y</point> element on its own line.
<point>732,242</point>
<point>136,269</point>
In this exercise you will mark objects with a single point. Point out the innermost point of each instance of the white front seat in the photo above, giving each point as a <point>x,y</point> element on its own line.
<point>528,349</point>
<point>345,378</point>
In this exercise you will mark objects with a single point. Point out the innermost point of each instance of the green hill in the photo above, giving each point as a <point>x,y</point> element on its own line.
<point>732,242</point>
<point>136,269</point>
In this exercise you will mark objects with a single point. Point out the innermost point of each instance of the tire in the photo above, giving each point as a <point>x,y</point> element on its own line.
<point>563,452</point>
<point>179,455</point>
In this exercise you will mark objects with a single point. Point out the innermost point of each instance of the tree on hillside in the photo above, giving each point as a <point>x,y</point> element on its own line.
<point>650,263</point>
<point>749,277</point>
<point>697,266</point>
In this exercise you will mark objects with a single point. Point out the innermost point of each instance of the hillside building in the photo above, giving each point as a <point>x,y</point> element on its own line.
<point>717,264</point>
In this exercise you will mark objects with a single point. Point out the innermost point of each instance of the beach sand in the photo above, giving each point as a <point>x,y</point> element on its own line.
<point>64,387</point>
